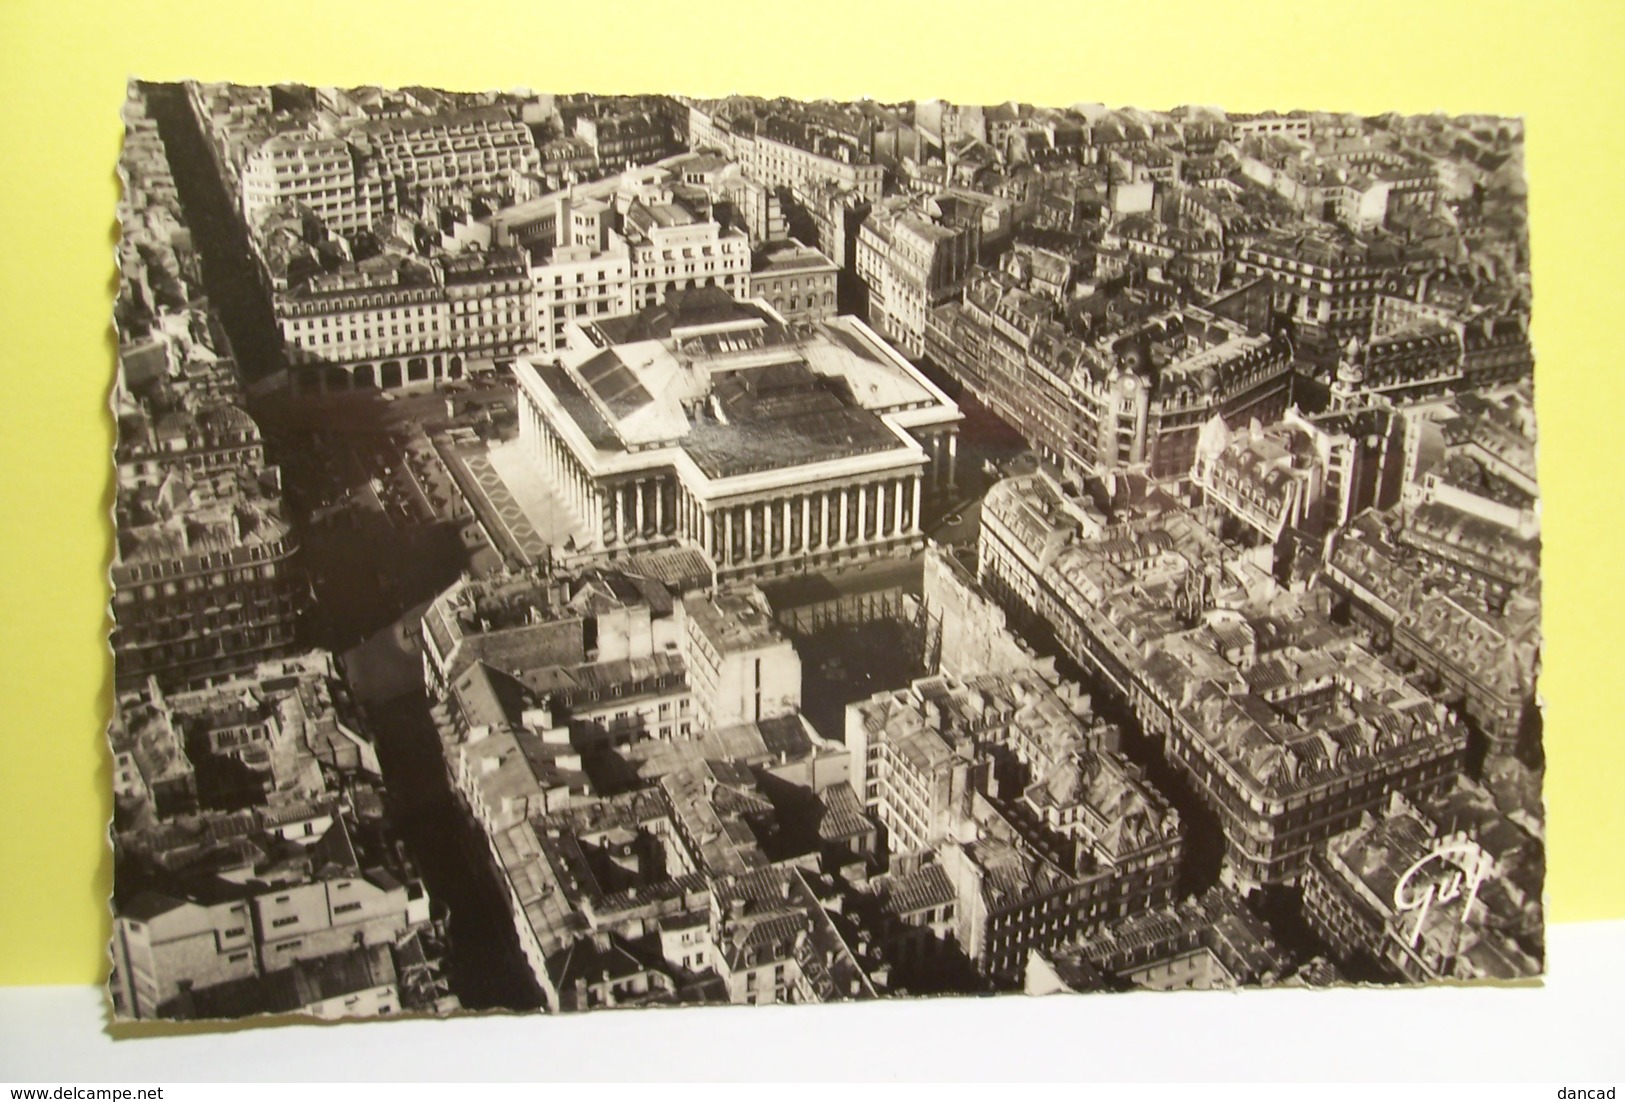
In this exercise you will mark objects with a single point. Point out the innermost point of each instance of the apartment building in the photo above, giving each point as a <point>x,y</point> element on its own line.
<point>321,174</point>
<point>673,249</point>
<point>331,898</point>
<point>794,279</point>
<point>912,257</point>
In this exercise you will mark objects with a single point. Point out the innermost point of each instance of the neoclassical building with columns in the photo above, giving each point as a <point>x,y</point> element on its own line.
<point>716,424</point>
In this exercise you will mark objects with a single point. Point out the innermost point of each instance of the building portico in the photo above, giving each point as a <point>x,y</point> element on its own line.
<point>760,451</point>
<point>824,525</point>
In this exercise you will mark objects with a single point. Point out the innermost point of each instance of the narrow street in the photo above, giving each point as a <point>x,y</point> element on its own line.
<point>484,965</point>
<point>229,270</point>
<point>364,572</point>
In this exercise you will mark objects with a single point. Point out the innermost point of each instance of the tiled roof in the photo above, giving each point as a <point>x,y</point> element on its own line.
<point>843,815</point>
<point>928,886</point>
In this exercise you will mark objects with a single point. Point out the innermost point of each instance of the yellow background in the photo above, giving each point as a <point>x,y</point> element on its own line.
<point>62,76</point>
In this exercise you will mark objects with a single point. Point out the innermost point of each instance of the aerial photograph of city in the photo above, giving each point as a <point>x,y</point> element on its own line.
<point>581,551</point>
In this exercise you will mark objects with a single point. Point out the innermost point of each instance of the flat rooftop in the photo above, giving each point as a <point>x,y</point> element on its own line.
<point>698,307</point>
<point>735,388</point>
<point>733,620</point>
<point>778,412</point>
<point>794,257</point>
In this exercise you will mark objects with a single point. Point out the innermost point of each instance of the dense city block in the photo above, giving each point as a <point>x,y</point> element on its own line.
<point>582,551</point>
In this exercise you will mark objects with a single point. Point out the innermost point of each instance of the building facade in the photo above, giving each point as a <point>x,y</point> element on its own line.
<point>1041,830</point>
<point>911,259</point>
<point>1430,890</point>
<point>363,331</point>
<point>205,573</point>
<point>673,249</point>
<point>1281,733</point>
<point>319,174</point>
<point>489,305</point>
<point>722,434</point>
<point>797,281</point>
<point>787,158</point>
<point>482,148</point>
<point>166,944</point>
<point>742,667</point>
<point>1135,400</point>
<point>1326,286</point>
